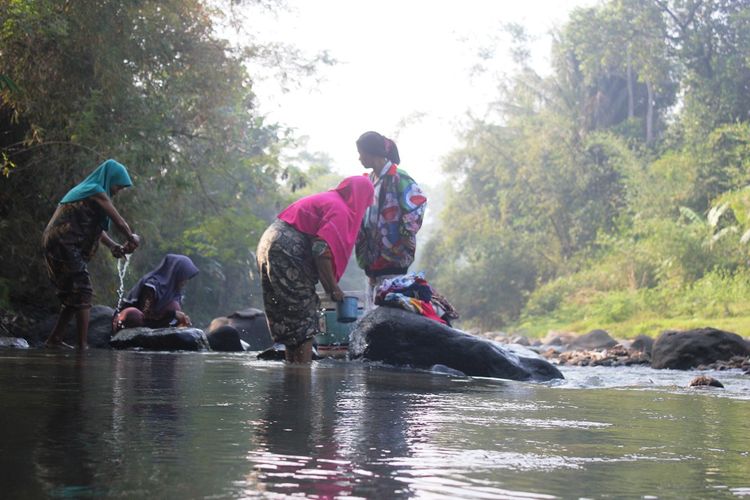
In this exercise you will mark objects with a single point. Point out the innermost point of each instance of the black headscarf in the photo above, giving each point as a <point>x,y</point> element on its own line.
<point>375,144</point>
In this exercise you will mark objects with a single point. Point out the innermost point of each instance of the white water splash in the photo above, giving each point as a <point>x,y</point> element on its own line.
<point>122,268</point>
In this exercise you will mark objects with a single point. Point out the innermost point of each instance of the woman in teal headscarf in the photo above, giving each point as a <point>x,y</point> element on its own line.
<point>72,236</point>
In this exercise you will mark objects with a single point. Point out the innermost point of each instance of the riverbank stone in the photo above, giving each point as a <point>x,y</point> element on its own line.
<point>642,343</point>
<point>161,339</point>
<point>683,350</point>
<point>594,340</point>
<point>225,339</point>
<point>554,338</point>
<point>401,338</point>
<point>705,381</point>
<point>13,343</point>
<point>252,327</point>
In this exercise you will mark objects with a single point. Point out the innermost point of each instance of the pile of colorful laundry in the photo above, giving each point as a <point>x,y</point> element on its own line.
<point>412,293</point>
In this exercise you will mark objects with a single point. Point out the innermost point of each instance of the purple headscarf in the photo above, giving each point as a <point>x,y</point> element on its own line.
<point>173,269</point>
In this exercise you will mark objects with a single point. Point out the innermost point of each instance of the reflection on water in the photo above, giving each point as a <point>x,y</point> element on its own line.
<point>113,423</point>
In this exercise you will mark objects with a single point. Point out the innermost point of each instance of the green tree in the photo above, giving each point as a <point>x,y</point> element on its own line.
<point>579,181</point>
<point>151,84</point>
<point>711,41</point>
<point>616,56</point>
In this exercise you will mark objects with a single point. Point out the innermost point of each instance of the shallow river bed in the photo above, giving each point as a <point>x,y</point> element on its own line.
<point>158,425</point>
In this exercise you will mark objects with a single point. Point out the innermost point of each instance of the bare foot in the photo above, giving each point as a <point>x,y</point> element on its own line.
<point>57,344</point>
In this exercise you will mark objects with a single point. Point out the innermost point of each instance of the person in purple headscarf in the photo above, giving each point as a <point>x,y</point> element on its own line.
<point>156,300</point>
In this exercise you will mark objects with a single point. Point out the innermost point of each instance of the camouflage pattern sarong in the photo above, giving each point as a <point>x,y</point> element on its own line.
<point>288,277</point>
<point>69,241</point>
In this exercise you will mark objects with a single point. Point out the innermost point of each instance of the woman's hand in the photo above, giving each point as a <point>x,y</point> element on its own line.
<point>337,295</point>
<point>324,264</point>
<point>118,251</point>
<point>133,242</point>
<point>182,319</point>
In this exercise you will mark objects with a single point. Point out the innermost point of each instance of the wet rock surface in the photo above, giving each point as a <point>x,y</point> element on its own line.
<point>705,381</point>
<point>614,356</point>
<point>401,338</point>
<point>161,339</point>
<point>702,349</point>
<point>100,329</point>
<point>225,339</point>
<point>252,327</point>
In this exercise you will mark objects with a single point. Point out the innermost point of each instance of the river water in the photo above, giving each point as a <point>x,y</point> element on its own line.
<point>156,425</point>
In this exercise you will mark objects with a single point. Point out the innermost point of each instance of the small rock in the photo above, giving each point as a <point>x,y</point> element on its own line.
<point>226,339</point>
<point>705,380</point>
<point>13,342</point>
<point>595,339</point>
<point>276,352</point>
<point>252,327</point>
<point>520,340</point>
<point>558,338</point>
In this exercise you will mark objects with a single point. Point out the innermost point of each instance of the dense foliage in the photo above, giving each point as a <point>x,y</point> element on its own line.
<point>611,193</point>
<point>151,84</point>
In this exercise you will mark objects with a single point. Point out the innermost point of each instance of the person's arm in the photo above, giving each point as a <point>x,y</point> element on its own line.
<point>324,263</point>
<point>413,204</point>
<point>148,302</point>
<point>109,209</point>
<point>148,306</point>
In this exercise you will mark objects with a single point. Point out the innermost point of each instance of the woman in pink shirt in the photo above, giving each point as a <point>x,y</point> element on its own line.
<point>310,241</point>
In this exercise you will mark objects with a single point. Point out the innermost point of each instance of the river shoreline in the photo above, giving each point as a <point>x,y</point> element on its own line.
<point>562,349</point>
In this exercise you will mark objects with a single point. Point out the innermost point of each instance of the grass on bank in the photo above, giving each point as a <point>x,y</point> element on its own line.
<point>720,300</point>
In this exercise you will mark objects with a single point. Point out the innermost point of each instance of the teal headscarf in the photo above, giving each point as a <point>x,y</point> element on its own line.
<point>108,174</point>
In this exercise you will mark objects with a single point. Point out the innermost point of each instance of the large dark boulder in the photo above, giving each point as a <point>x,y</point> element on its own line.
<point>225,339</point>
<point>252,326</point>
<point>592,341</point>
<point>161,339</point>
<point>402,338</point>
<point>100,329</point>
<point>702,346</point>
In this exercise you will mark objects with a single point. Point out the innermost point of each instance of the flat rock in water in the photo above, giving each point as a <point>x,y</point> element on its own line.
<point>161,339</point>
<point>692,348</point>
<point>402,338</point>
<point>13,343</point>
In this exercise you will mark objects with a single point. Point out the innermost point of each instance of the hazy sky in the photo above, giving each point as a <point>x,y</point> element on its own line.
<point>404,69</point>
